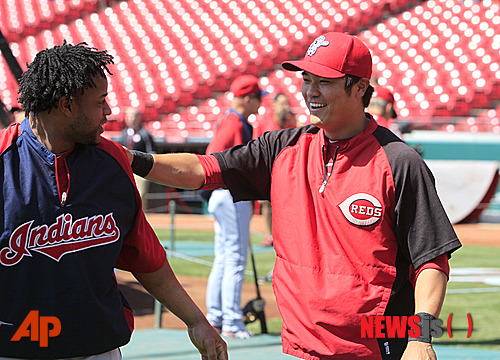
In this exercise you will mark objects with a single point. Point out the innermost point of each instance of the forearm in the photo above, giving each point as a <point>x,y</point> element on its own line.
<point>430,290</point>
<point>165,287</point>
<point>177,170</point>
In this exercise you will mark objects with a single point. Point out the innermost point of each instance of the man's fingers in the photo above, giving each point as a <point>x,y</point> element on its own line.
<point>211,353</point>
<point>210,344</point>
<point>222,352</point>
<point>217,352</point>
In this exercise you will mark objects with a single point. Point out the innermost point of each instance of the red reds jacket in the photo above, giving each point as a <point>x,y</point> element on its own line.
<point>349,219</point>
<point>58,252</point>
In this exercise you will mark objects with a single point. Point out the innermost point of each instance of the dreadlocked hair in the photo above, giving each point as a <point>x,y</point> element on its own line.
<point>60,71</point>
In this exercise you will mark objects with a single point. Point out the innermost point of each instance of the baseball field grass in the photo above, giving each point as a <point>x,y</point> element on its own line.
<point>481,301</point>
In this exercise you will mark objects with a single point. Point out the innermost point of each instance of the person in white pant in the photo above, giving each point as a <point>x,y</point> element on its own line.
<point>232,236</point>
<point>232,221</point>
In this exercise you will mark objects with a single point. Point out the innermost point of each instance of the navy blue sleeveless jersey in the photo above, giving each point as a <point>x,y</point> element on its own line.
<point>58,250</point>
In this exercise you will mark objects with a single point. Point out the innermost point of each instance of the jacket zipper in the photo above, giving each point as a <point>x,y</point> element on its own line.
<point>62,184</point>
<point>326,176</point>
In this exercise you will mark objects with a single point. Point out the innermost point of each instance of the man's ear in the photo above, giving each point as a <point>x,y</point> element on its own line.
<point>362,86</point>
<point>65,105</point>
<point>388,110</point>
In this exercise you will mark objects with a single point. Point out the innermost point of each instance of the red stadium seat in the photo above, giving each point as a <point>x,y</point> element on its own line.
<point>439,57</point>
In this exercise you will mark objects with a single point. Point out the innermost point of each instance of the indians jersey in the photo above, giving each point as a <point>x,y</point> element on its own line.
<point>66,223</point>
<point>350,218</point>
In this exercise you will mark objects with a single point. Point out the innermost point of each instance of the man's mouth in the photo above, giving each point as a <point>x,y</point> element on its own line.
<point>316,106</point>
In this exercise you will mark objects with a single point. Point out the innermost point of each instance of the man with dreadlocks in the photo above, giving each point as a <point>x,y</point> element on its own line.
<point>70,214</point>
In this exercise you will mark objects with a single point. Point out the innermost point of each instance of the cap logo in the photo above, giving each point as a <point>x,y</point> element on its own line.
<point>361,209</point>
<point>321,41</point>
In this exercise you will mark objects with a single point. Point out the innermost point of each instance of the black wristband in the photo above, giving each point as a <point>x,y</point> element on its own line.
<point>425,328</point>
<point>142,163</point>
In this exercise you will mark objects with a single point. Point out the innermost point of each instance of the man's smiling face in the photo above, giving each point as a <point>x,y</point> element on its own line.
<point>326,100</point>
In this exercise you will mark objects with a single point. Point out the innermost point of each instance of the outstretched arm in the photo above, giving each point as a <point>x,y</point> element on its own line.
<point>430,290</point>
<point>182,170</point>
<point>165,287</point>
<point>177,170</point>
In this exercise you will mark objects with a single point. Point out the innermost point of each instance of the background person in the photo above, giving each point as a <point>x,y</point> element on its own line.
<point>18,114</point>
<point>381,107</point>
<point>71,214</point>
<point>135,137</point>
<point>358,226</point>
<point>232,220</point>
<point>283,118</point>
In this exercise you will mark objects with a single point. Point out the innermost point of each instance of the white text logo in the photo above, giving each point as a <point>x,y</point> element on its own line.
<point>63,237</point>
<point>361,209</point>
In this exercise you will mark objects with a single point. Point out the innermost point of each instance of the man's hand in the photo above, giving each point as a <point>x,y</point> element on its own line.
<point>417,350</point>
<point>208,342</point>
<point>165,287</point>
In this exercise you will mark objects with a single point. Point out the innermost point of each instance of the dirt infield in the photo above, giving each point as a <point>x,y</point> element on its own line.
<point>143,304</point>
<point>487,234</point>
<point>483,234</point>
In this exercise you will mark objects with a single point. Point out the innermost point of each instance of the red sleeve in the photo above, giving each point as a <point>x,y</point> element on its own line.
<point>141,251</point>
<point>213,175</point>
<point>438,263</point>
<point>8,135</point>
<point>228,133</point>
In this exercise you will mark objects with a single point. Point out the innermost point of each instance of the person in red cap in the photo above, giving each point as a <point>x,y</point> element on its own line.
<point>232,220</point>
<point>360,234</point>
<point>381,106</point>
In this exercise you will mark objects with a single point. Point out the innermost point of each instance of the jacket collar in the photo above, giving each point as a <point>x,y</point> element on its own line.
<point>36,145</point>
<point>359,137</point>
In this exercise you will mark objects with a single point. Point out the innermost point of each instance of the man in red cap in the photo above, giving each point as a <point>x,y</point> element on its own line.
<point>232,220</point>
<point>359,231</point>
<point>382,106</point>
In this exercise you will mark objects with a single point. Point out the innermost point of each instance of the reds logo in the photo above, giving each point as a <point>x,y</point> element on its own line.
<point>361,209</point>
<point>61,238</point>
<point>320,41</point>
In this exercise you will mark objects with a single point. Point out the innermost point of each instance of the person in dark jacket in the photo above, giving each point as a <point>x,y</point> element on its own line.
<point>71,214</point>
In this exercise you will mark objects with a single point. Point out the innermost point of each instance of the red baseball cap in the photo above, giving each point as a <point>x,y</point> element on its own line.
<point>246,85</point>
<point>334,55</point>
<point>384,94</point>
